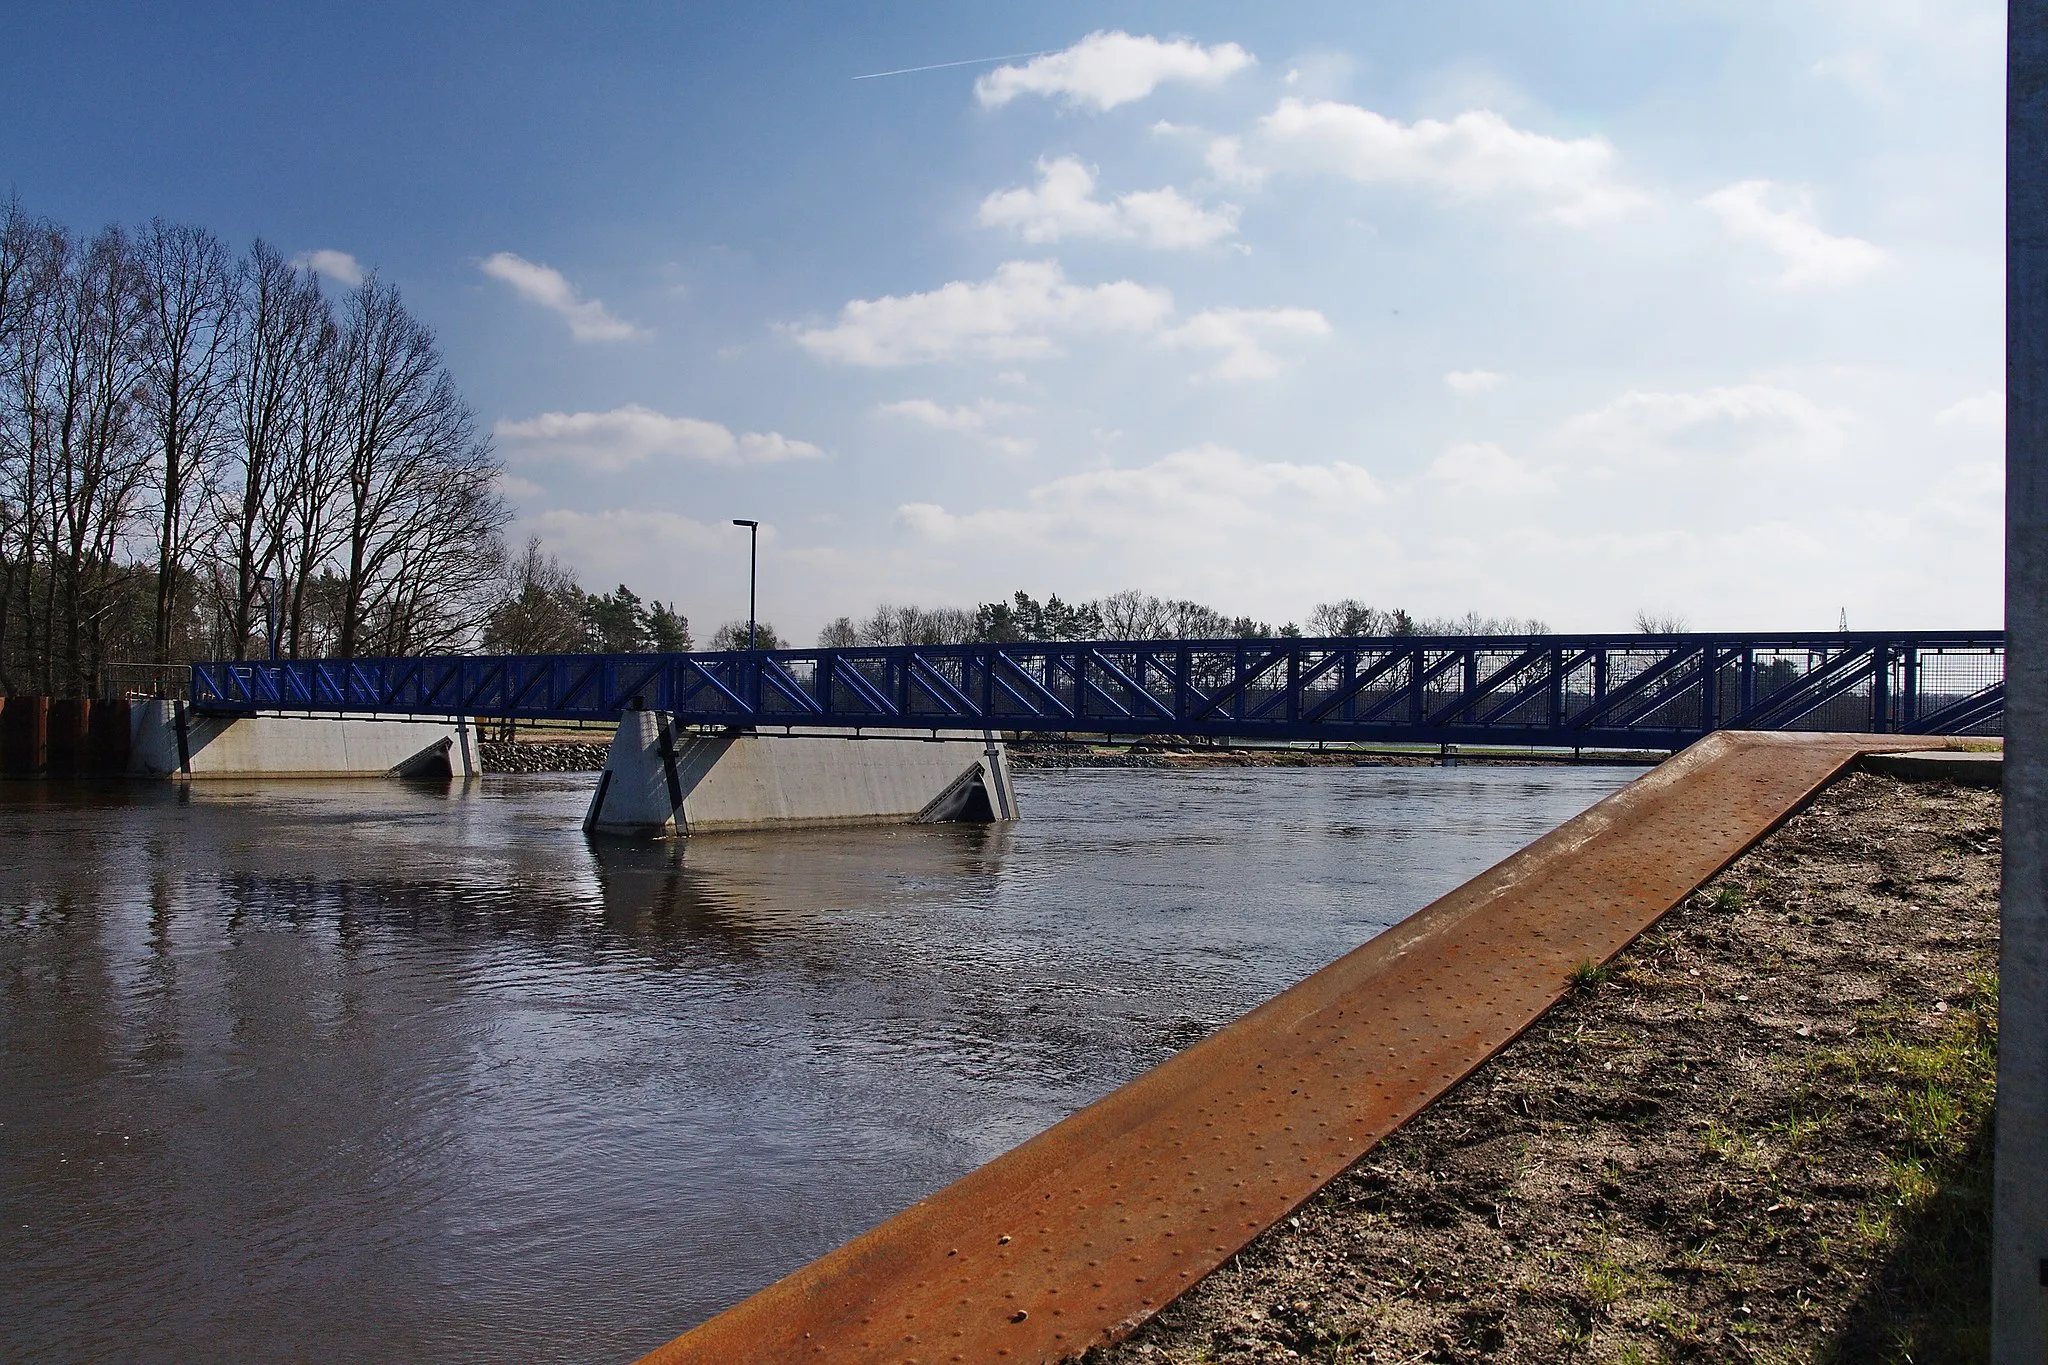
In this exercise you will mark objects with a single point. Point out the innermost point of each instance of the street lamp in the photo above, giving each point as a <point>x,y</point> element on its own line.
<point>753,569</point>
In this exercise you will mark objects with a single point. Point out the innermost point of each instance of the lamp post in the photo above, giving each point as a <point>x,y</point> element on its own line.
<point>753,569</point>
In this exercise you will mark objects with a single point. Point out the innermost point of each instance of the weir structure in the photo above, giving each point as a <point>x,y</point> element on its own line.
<point>1074,1238</point>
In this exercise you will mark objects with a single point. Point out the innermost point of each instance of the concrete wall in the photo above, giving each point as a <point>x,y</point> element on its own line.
<point>294,746</point>
<point>659,782</point>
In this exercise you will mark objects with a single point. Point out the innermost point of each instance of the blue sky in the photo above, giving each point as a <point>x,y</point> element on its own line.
<point>1561,311</point>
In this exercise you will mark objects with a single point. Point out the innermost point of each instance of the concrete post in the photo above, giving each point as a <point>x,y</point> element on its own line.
<point>2019,1269</point>
<point>639,792</point>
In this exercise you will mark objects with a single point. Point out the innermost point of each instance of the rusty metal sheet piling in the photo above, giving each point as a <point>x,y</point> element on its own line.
<point>1078,1235</point>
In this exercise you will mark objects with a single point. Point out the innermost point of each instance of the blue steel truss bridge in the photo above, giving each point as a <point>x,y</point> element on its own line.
<point>1563,691</point>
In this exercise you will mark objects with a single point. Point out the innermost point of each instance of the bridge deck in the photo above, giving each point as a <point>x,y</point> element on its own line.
<point>1078,1235</point>
<point>1630,691</point>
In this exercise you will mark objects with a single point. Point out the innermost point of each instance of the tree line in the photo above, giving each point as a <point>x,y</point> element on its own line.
<point>544,610</point>
<point>192,440</point>
<point>1135,615</point>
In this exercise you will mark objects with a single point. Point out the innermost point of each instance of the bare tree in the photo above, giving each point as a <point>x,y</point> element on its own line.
<point>541,610</point>
<point>418,484</point>
<point>1135,615</point>
<point>96,464</point>
<point>1353,619</point>
<point>27,257</point>
<point>1472,623</point>
<point>187,282</point>
<point>1660,622</point>
<point>438,584</point>
<point>276,377</point>
<point>169,420</point>
<point>913,625</point>
<point>304,511</point>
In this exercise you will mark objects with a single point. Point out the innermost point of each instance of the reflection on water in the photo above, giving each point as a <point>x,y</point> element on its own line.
<point>377,1072</point>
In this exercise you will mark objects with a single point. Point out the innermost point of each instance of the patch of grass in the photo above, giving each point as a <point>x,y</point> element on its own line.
<point>1725,898</point>
<point>1724,1143</point>
<point>1574,1335</point>
<point>1341,1349</point>
<point>1684,1329</point>
<point>1931,1299</point>
<point>1606,1281</point>
<point>1802,1126</point>
<point>1587,975</point>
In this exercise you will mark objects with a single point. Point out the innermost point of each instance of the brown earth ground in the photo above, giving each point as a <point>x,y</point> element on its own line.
<point>1758,1134</point>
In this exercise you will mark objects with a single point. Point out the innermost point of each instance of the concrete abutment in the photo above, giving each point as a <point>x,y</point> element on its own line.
<point>170,740</point>
<point>660,781</point>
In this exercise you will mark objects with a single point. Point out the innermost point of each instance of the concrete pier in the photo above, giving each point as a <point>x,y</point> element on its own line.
<point>169,740</point>
<point>658,781</point>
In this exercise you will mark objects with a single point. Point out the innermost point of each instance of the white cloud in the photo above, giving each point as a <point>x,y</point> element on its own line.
<point>1241,333</point>
<point>1018,313</point>
<point>523,490</point>
<point>338,266</point>
<point>1750,428</point>
<point>607,441</point>
<point>662,554</point>
<point>1476,155</point>
<point>1981,411</point>
<point>1229,164</point>
<point>1014,315</point>
<point>952,419</point>
<point>1469,382</point>
<point>1062,204</point>
<point>1109,68</point>
<point>1189,496</point>
<point>1810,256</point>
<point>1483,467</point>
<point>972,420</point>
<point>1208,523</point>
<point>588,319</point>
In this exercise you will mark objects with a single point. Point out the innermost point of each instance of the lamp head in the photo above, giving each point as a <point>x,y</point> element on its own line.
<point>742,521</point>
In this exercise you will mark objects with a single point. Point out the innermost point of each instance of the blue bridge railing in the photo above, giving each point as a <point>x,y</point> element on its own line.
<point>1641,691</point>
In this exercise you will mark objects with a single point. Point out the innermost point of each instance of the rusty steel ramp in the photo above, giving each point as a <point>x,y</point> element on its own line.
<point>1075,1237</point>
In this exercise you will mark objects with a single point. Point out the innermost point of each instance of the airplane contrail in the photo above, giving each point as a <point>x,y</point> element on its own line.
<point>940,66</point>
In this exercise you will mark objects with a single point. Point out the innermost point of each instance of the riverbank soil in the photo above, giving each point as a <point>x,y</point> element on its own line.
<point>1760,1134</point>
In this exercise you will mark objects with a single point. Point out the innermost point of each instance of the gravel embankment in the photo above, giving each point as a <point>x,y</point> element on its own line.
<point>549,756</point>
<point>1760,1134</point>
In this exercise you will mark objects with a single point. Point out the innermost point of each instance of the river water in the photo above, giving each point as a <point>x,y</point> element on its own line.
<point>377,1072</point>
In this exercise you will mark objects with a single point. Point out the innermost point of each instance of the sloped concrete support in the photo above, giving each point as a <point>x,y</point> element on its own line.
<point>657,782</point>
<point>639,794</point>
<point>168,740</point>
